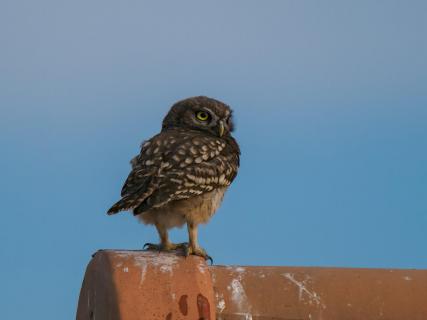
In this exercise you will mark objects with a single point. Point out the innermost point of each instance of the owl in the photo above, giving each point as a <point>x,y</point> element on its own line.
<point>182,173</point>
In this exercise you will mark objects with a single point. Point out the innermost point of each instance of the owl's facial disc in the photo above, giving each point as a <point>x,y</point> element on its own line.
<point>211,122</point>
<point>200,113</point>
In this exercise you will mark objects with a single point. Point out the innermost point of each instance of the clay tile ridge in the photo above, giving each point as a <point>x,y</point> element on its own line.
<point>139,285</point>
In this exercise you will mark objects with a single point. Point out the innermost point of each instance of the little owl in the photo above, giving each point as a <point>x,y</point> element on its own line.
<point>182,173</point>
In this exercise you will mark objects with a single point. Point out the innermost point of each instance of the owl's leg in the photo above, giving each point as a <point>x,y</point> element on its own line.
<point>165,244</point>
<point>193,247</point>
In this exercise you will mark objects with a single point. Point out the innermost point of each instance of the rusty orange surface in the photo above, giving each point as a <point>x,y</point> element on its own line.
<point>130,285</point>
<point>319,293</point>
<point>139,285</point>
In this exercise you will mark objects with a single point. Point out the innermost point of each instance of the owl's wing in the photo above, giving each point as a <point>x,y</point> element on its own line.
<point>177,165</point>
<point>199,165</point>
<point>141,181</point>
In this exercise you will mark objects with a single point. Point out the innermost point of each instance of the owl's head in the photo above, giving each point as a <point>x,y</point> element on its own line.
<point>200,113</point>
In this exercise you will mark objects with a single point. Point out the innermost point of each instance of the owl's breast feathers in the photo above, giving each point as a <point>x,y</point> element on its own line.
<point>178,164</point>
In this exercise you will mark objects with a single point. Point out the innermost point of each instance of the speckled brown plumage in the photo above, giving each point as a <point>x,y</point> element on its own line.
<point>181,174</point>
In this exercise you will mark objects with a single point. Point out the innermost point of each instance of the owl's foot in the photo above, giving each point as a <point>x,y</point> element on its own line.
<point>198,251</point>
<point>166,246</point>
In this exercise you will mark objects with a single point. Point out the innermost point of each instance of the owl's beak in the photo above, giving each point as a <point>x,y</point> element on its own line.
<point>221,128</point>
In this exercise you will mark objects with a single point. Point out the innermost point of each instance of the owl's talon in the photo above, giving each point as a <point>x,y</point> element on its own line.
<point>180,246</point>
<point>209,258</point>
<point>152,247</point>
<point>166,247</point>
<point>187,251</point>
<point>197,251</point>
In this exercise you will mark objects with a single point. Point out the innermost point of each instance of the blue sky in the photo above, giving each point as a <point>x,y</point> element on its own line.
<point>331,110</point>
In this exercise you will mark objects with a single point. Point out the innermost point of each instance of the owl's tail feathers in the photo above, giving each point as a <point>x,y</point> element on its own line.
<point>126,203</point>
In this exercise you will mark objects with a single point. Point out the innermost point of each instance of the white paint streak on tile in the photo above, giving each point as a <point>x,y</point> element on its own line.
<point>238,294</point>
<point>220,302</point>
<point>312,296</point>
<point>202,266</point>
<point>247,316</point>
<point>165,262</point>
<point>143,272</point>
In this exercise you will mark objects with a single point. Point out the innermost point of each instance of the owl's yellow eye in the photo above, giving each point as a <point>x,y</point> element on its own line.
<point>202,115</point>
